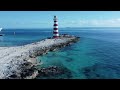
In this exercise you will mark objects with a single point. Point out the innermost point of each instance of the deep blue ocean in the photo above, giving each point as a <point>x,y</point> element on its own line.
<point>95,56</point>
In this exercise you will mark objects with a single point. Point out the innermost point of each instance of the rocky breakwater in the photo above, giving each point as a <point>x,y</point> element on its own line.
<point>19,62</point>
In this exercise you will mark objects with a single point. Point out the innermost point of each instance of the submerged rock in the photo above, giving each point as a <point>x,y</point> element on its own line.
<point>54,72</point>
<point>69,59</point>
<point>102,71</point>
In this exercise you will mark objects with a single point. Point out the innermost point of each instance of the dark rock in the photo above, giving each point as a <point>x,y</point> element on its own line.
<point>13,76</point>
<point>28,72</point>
<point>54,71</point>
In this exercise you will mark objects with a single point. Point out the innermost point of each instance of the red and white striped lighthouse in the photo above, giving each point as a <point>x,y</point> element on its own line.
<point>55,28</point>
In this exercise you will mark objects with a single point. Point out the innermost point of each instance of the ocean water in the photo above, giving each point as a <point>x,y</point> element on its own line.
<point>23,36</point>
<point>95,56</point>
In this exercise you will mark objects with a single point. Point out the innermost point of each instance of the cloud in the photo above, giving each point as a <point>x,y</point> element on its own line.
<point>97,23</point>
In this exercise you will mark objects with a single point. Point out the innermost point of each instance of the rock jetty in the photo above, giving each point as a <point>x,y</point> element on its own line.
<point>19,62</point>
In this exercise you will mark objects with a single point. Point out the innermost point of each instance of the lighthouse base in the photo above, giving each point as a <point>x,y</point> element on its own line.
<point>55,36</point>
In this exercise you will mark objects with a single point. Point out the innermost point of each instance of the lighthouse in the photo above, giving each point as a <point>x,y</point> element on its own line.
<point>55,28</point>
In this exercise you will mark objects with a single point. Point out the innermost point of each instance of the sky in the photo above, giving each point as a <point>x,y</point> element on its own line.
<point>44,19</point>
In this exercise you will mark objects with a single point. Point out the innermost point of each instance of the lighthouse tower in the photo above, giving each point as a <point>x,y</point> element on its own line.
<point>55,28</point>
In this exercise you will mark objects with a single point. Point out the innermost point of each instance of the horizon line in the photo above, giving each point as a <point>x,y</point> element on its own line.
<point>60,27</point>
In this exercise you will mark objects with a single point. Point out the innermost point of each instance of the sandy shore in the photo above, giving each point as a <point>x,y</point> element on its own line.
<point>13,59</point>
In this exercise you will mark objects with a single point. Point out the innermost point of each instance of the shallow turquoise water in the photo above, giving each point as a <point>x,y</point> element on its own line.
<point>73,57</point>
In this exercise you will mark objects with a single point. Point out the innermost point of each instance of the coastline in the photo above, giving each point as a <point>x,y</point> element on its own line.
<point>19,62</point>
